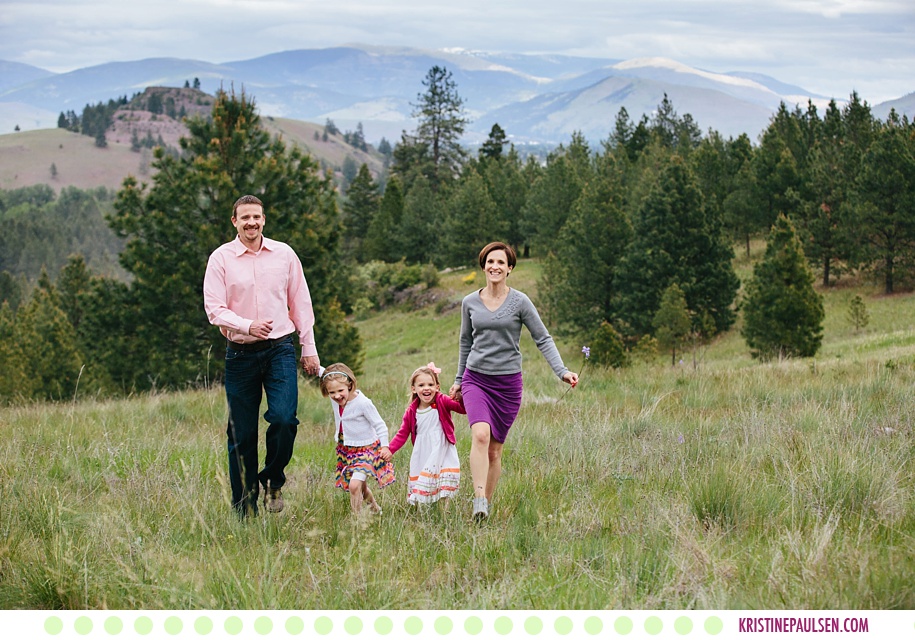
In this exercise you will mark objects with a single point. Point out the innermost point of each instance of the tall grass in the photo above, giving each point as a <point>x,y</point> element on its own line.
<point>733,485</point>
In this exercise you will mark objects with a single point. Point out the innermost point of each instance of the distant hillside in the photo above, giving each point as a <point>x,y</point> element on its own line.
<point>15,74</point>
<point>156,114</point>
<point>62,158</point>
<point>904,105</point>
<point>545,96</point>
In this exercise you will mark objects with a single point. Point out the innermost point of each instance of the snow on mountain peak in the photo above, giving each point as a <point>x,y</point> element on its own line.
<point>679,67</point>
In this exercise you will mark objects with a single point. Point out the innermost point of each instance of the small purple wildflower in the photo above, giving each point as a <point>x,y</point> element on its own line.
<point>586,350</point>
<point>680,438</point>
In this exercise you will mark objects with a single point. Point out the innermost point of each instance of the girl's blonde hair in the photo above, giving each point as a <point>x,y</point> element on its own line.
<point>427,370</point>
<point>337,371</point>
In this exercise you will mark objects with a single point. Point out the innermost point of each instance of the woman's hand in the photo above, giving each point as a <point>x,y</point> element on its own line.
<point>385,454</point>
<point>570,377</point>
<point>455,393</point>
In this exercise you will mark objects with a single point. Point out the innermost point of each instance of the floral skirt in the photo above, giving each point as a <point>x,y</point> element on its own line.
<point>364,459</point>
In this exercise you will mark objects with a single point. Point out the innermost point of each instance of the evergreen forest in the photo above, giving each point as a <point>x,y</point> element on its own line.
<point>636,235</point>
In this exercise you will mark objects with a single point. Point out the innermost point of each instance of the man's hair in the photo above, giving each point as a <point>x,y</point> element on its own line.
<point>510,255</point>
<point>246,200</point>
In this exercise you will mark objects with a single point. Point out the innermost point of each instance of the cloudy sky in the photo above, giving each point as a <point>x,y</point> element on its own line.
<point>829,47</point>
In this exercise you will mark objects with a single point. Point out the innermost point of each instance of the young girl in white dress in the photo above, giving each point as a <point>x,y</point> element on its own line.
<point>435,471</point>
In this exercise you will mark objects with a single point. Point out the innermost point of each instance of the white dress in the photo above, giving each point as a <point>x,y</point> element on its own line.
<point>435,470</point>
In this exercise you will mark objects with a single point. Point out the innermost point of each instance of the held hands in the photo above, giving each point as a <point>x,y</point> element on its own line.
<point>385,454</point>
<point>455,393</point>
<point>311,365</point>
<point>261,329</point>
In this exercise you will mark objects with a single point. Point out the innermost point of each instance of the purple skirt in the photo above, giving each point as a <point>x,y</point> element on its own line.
<point>494,400</point>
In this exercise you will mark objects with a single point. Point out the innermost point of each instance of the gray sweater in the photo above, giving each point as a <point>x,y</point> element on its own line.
<point>490,339</point>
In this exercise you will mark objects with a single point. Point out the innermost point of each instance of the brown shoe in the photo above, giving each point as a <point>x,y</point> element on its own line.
<point>273,500</point>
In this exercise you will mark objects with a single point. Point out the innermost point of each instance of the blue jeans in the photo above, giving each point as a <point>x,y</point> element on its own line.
<point>248,375</point>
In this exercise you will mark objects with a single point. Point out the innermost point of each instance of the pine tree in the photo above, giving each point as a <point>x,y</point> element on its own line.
<point>857,313</point>
<point>172,228</point>
<point>492,148</point>
<point>15,381</point>
<point>577,285</point>
<point>886,203</point>
<point>359,210</point>
<point>672,131</point>
<point>440,111</point>
<point>108,332</point>
<point>508,188</point>
<point>672,322</point>
<point>622,132</point>
<point>154,102</point>
<point>410,159</point>
<point>382,241</point>
<point>423,211</point>
<point>783,314</point>
<point>11,289</point>
<point>52,360</point>
<point>675,240</point>
<point>71,285</point>
<point>823,222</point>
<point>471,221</point>
<point>778,166</point>
<point>349,171</point>
<point>608,349</point>
<point>554,193</point>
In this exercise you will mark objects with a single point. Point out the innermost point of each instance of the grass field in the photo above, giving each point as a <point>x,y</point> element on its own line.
<point>737,484</point>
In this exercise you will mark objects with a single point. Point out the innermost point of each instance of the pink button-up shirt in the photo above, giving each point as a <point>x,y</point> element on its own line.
<point>241,286</point>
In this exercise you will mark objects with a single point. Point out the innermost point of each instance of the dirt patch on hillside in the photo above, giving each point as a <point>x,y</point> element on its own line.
<point>156,117</point>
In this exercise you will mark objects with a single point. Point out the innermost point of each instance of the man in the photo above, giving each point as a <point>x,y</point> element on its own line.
<point>255,292</point>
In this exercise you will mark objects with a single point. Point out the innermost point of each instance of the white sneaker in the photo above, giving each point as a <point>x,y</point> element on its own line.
<point>480,509</point>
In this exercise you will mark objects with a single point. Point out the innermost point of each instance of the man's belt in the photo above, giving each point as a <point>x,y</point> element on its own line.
<point>260,345</point>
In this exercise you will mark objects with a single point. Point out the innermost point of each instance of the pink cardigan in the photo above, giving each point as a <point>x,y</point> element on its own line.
<point>444,404</point>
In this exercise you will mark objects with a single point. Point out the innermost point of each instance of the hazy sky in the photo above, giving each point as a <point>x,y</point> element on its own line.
<point>829,47</point>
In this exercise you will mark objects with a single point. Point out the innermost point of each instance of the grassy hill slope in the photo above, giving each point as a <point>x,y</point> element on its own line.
<point>734,485</point>
<point>26,157</point>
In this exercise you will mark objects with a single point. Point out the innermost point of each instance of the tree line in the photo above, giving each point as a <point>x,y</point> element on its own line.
<point>636,236</point>
<point>651,213</point>
<point>91,332</point>
<point>94,120</point>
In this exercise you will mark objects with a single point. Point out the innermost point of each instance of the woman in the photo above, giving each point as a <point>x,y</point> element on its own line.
<point>489,367</point>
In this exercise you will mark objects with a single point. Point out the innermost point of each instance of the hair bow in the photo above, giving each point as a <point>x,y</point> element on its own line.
<point>434,369</point>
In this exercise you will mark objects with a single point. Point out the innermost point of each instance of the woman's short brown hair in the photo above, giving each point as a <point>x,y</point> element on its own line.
<point>337,371</point>
<point>495,246</point>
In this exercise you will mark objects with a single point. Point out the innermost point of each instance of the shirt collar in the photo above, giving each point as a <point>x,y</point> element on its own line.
<point>240,248</point>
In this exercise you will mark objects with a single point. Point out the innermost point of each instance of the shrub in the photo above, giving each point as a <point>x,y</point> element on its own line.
<point>377,284</point>
<point>607,347</point>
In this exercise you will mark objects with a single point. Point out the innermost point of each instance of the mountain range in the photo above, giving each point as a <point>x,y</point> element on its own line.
<point>534,98</point>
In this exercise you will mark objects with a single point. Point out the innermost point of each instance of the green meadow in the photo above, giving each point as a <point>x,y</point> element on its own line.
<point>728,484</point>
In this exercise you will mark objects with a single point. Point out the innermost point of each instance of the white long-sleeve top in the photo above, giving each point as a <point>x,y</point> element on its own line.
<point>362,424</point>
